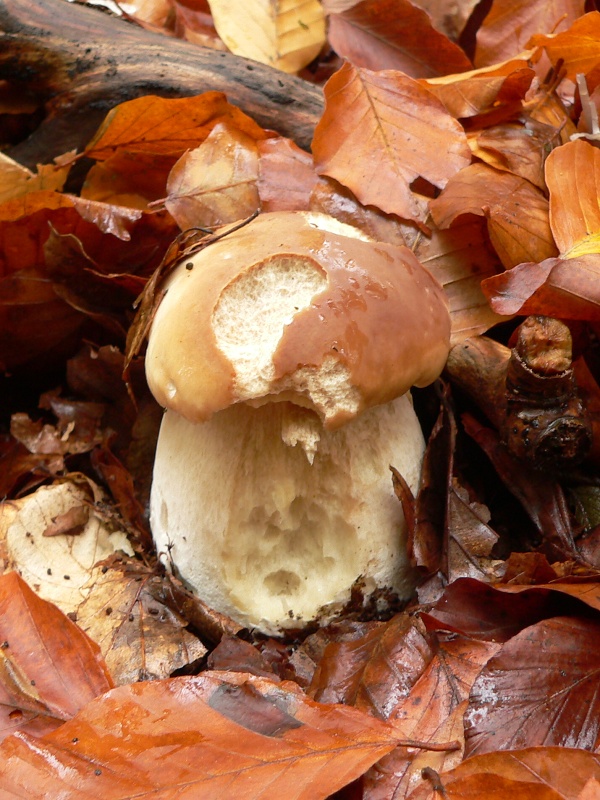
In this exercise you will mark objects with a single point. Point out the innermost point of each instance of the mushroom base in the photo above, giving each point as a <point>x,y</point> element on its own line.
<point>272,519</point>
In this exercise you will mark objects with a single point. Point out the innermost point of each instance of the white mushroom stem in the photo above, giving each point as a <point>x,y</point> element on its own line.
<point>271,518</point>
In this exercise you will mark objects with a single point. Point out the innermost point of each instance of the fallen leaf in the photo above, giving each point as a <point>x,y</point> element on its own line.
<point>285,35</point>
<point>393,34</point>
<point>226,734</point>
<point>577,49</point>
<point>216,183</point>
<point>140,637</point>
<point>17,180</point>
<point>478,91</point>
<point>537,773</point>
<point>286,175</point>
<point>49,669</point>
<point>450,20</point>
<point>470,538</point>
<point>501,198</point>
<point>541,688</point>
<point>509,25</point>
<point>58,566</point>
<point>382,130</point>
<point>166,126</point>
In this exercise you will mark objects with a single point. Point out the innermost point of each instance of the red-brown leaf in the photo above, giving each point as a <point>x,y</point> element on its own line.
<point>213,736</point>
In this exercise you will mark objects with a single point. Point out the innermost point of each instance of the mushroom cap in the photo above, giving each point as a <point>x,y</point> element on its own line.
<point>296,306</point>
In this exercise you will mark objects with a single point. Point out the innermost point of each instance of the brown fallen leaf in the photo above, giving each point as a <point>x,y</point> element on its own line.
<point>501,198</point>
<point>70,523</point>
<point>541,688</point>
<point>168,126</point>
<point>537,773</point>
<point>577,49</point>
<point>286,175</point>
<point>393,34</point>
<point>379,132</point>
<point>49,669</point>
<point>509,25</point>
<point>470,538</point>
<point>478,91</point>
<point>224,735</point>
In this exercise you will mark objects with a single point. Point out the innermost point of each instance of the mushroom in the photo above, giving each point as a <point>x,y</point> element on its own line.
<point>284,353</point>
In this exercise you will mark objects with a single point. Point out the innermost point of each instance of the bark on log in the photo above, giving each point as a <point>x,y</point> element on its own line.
<point>80,62</point>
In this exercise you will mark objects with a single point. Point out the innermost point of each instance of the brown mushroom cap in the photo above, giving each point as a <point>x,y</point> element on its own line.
<point>378,315</point>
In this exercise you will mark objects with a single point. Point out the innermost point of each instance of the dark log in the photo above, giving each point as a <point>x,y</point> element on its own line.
<point>79,62</point>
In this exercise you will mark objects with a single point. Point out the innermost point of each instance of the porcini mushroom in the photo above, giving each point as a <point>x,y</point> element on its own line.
<point>284,353</point>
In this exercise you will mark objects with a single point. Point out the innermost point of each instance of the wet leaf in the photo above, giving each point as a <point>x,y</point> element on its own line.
<point>380,131</point>
<point>541,688</point>
<point>393,34</point>
<point>49,669</point>
<point>539,773</point>
<point>227,734</point>
<point>286,175</point>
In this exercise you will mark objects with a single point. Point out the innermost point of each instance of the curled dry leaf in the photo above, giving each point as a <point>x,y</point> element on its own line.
<point>167,126</point>
<point>541,688</point>
<point>393,34</point>
<point>382,130</point>
<point>577,49</point>
<point>215,183</point>
<point>565,287</point>
<point>470,538</point>
<point>57,565</point>
<point>17,180</point>
<point>538,773</point>
<point>226,735</point>
<point>509,25</point>
<point>139,637</point>
<point>478,91</point>
<point>501,198</point>
<point>49,669</point>
<point>285,35</point>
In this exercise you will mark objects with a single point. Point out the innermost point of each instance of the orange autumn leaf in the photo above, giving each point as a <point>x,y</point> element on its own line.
<point>215,183</point>
<point>286,175</point>
<point>49,668</point>
<point>510,23</point>
<point>578,48</point>
<point>224,735</point>
<point>537,773</point>
<point>565,287</point>
<point>168,126</point>
<point>480,90</point>
<point>516,212</point>
<point>393,34</point>
<point>380,131</point>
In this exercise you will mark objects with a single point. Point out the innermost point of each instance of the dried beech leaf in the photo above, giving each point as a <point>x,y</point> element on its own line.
<point>510,24</point>
<point>470,539</point>
<point>557,287</point>
<point>129,179</point>
<point>215,183</point>
<point>151,13</point>
<point>58,566</point>
<point>481,90</point>
<point>139,637</point>
<point>380,131</point>
<point>578,48</point>
<point>541,688</point>
<point>393,34</point>
<point>286,34</point>
<point>432,712</point>
<point>49,669</point>
<point>573,179</point>
<point>167,126</point>
<point>538,773</point>
<point>460,257</point>
<point>16,180</point>
<point>376,672</point>
<point>286,176</point>
<point>450,20</point>
<point>225,734</point>
<point>501,198</point>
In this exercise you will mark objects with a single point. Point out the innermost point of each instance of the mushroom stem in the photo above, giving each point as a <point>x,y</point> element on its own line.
<point>269,538</point>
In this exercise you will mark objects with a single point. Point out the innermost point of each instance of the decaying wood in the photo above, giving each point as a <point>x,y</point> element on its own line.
<point>79,62</point>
